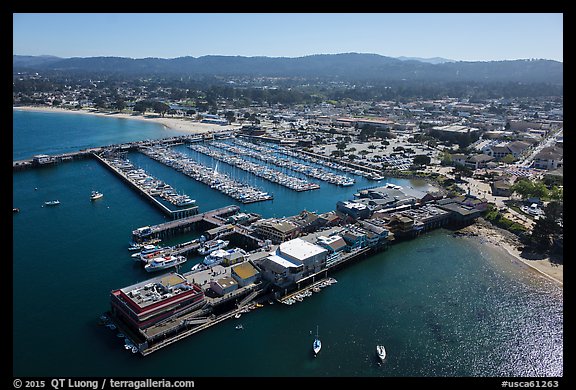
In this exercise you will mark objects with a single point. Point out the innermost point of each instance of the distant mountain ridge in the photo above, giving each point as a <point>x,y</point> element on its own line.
<point>347,66</point>
<point>433,60</point>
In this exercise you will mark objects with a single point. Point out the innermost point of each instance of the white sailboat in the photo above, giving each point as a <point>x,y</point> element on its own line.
<point>381,351</point>
<point>317,346</point>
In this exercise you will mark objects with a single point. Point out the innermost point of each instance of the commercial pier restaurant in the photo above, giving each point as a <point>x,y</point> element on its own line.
<point>144,304</point>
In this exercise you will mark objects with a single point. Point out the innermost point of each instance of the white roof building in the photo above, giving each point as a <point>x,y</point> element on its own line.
<point>300,250</point>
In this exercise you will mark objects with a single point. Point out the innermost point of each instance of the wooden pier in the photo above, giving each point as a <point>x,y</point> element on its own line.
<point>174,214</point>
<point>183,225</point>
<point>49,160</point>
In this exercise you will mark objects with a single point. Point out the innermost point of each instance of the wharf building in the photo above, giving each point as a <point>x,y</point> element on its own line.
<point>293,260</point>
<point>167,308</point>
<point>284,229</point>
<point>147,303</point>
<point>276,230</point>
<point>241,275</point>
<point>410,223</point>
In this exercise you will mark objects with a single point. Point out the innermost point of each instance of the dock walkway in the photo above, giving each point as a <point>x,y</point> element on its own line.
<point>170,228</point>
<point>175,214</point>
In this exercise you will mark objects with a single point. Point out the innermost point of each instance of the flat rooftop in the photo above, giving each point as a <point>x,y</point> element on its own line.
<point>300,249</point>
<point>157,289</point>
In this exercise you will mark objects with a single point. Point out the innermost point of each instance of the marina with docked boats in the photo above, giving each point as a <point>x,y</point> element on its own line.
<point>249,261</point>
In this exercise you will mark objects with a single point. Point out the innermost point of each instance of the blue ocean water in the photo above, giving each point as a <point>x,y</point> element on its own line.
<point>443,306</point>
<point>55,132</point>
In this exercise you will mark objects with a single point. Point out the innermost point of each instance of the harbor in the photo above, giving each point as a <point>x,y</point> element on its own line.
<point>445,287</point>
<point>215,180</point>
<point>286,272</point>
<point>267,155</point>
<point>283,260</point>
<point>269,174</point>
<point>148,186</point>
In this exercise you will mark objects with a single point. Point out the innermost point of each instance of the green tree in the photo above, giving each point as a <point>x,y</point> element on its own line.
<point>160,108</point>
<point>100,102</point>
<point>445,159</point>
<point>341,145</point>
<point>527,189</point>
<point>556,193</point>
<point>141,106</point>
<point>547,226</point>
<point>540,190</point>
<point>230,116</point>
<point>119,104</point>
<point>421,159</point>
<point>463,171</point>
<point>508,159</point>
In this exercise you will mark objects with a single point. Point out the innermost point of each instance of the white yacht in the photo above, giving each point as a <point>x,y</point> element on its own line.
<point>215,257</point>
<point>211,246</point>
<point>160,263</point>
<point>147,253</point>
<point>96,195</point>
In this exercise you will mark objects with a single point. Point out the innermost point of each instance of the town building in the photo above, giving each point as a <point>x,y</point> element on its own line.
<point>276,230</point>
<point>353,209</point>
<point>299,251</point>
<point>144,304</point>
<point>549,158</point>
<point>224,285</point>
<point>245,274</point>
<point>333,243</point>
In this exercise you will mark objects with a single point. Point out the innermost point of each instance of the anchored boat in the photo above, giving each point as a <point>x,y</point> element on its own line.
<point>381,351</point>
<point>317,346</point>
<point>96,195</point>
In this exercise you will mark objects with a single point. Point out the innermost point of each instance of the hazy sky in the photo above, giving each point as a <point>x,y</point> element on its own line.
<point>466,37</point>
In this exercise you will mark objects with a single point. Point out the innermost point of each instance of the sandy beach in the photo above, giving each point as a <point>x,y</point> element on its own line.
<point>508,242</point>
<point>174,123</point>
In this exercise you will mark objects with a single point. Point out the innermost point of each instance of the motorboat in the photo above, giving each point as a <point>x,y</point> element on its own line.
<point>96,195</point>
<point>184,200</point>
<point>52,203</point>
<point>148,252</point>
<point>160,263</point>
<point>381,351</point>
<point>135,247</point>
<point>317,345</point>
<point>211,246</point>
<point>226,256</point>
<point>215,257</point>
